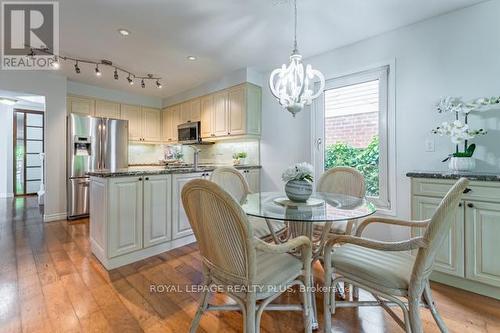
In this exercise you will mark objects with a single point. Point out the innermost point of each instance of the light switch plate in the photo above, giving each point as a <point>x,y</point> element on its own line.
<point>429,145</point>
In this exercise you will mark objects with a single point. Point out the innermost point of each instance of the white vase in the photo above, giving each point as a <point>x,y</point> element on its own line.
<point>462,164</point>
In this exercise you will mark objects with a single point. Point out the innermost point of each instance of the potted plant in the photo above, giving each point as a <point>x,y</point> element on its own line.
<point>239,158</point>
<point>298,181</point>
<point>459,130</point>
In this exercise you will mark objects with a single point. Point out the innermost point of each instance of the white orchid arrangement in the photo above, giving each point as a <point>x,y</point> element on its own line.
<point>458,130</point>
<point>299,171</point>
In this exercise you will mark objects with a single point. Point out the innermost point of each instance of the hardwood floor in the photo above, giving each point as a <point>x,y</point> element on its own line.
<point>50,282</point>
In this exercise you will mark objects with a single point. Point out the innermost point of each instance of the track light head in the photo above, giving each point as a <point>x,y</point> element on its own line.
<point>130,81</point>
<point>158,84</point>
<point>116,74</point>
<point>77,69</point>
<point>143,85</point>
<point>97,71</point>
<point>55,64</point>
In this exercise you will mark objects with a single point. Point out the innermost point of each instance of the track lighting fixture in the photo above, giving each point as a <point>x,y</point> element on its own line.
<point>77,69</point>
<point>56,63</point>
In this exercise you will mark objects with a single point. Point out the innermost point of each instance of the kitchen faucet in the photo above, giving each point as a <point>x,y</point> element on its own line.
<point>196,156</point>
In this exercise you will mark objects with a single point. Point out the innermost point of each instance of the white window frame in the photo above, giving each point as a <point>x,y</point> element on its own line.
<point>385,202</point>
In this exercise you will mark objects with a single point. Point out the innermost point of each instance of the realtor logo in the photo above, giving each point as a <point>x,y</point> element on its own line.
<point>29,25</point>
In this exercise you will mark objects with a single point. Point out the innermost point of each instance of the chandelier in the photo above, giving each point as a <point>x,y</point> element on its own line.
<point>292,85</point>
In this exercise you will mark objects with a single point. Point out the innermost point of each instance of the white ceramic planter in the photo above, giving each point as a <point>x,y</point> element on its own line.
<point>462,164</point>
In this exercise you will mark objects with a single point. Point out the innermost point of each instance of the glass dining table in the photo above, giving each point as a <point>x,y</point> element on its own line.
<point>328,210</point>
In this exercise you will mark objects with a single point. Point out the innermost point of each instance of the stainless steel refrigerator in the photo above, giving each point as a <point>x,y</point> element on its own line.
<point>92,144</point>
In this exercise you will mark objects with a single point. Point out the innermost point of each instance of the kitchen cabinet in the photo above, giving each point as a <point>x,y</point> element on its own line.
<point>482,229</point>
<point>252,177</point>
<point>133,114</point>
<point>467,258</point>
<point>451,255</point>
<point>180,222</point>
<point>125,220</point>
<point>170,120</point>
<point>190,111</point>
<point>207,109</point>
<point>185,113</point>
<point>107,109</point>
<point>195,110</point>
<point>151,124</point>
<point>220,114</point>
<point>80,105</point>
<point>232,112</point>
<point>157,209</point>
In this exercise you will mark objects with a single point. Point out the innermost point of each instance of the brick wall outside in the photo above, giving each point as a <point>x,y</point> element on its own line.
<point>356,130</point>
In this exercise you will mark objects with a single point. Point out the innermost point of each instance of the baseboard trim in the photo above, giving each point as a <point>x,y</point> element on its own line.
<point>461,283</point>
<point>6,195</point>
<point>54,217</point>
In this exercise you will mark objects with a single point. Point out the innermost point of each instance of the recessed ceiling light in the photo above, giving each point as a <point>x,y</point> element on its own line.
<point>124,32</point>
<point>192,58</point>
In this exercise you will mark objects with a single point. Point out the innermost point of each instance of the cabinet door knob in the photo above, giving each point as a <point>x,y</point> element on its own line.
<point>470,205</point>
<point>467,190</point>
<point>147,178</point>
<point>460,205</point>
<point>140,178</point>
<point>228,133</point>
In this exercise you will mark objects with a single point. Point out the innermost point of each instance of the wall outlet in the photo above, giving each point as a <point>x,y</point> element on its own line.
<point>429,145</point>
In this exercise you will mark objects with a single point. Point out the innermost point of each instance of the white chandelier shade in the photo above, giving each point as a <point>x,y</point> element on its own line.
<point>293,86</point>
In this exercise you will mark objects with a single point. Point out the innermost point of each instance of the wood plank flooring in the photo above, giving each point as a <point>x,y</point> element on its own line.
<point>50,282</point>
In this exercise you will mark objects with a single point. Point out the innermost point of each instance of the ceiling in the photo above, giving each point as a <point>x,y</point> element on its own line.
<point>224,35</point>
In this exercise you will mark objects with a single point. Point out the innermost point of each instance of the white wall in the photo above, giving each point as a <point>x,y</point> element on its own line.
<point>234,78</point>
<point>6,163</point>
<point>82,89</point>
<point>455,54</point>
<point>53,87</point>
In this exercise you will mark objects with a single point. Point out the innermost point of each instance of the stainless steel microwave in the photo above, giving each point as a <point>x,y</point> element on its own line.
<point>189,133</point>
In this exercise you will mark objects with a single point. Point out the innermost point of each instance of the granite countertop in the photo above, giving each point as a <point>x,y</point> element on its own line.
<point>479,176</point>
<point>159,170</point>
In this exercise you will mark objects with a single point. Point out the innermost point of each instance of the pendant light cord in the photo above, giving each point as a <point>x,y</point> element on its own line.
<point>295,30</point>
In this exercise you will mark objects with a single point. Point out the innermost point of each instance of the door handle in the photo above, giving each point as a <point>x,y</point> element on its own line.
<point>318,143</point>
<point>470,205</point>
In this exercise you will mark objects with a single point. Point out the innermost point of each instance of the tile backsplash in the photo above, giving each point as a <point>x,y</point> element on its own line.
<point>220,152</point>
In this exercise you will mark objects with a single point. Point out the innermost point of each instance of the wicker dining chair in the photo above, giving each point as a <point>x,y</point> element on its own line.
<point>343,180</point>
<point>233,182</point>
<point>387,270</point>
<point>250,271</point>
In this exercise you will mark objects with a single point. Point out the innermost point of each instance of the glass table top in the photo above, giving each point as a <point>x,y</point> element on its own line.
<point>328,207</point>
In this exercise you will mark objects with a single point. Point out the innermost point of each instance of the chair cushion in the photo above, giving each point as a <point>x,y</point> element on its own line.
<point>380,268</point>
<point>339,227</point>
<point>260,228</point>
<point>276,269</point>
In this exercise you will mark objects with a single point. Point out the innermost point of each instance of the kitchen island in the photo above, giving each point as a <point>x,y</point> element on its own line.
<point>136,213</point>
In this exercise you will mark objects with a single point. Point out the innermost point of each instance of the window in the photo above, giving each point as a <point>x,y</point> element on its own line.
<point>354,130</point>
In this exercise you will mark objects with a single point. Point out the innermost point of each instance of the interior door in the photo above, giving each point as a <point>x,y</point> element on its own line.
<point>28,145</point>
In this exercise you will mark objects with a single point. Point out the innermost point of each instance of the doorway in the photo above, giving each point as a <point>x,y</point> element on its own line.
<point>28,148</point>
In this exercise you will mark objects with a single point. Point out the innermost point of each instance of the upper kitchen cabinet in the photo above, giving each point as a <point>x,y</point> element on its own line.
<point>232,112</point>
<point>151,124</point>
<point>107,109</point>
<point>170,120</point>
<point>190,111</point>
<point>80,105</point>
<point>133,114</point>
<point>207,109</point>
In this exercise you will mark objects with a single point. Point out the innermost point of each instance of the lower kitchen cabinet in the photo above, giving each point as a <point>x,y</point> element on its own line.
<point>157,209</point>
<point>252,177</point>
<point>180,222</point>
<point>482,231</point>
<point>468,258</point>
<point>125,215</point>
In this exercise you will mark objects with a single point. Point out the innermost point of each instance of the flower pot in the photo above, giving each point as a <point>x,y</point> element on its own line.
<point>298,190</point>
<point>243,161</point>
<point>462,164</point>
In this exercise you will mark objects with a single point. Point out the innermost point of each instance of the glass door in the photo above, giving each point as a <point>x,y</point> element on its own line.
<point>28,145</point>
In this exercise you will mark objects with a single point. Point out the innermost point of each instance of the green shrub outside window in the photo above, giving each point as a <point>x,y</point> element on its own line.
<point>363,159</point>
